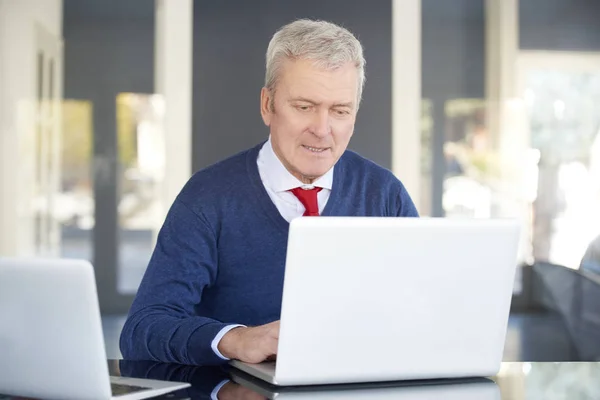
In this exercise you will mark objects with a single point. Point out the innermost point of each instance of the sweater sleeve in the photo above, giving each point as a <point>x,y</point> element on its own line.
<point>406,206</point>
<point>162,324</point>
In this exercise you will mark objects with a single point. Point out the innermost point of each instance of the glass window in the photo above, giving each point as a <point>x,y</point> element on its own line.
<point>76,199</point>
<point>140,175</point>
<point>564,122</point>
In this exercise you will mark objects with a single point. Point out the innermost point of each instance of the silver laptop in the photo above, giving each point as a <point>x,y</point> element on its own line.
<point>51,340</point>
<point>382,299</point>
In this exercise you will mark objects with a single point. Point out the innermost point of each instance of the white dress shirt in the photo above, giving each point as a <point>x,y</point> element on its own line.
<point>277,181</point>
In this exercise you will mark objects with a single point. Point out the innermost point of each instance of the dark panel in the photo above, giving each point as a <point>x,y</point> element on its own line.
<point>230,41</point>
<point>566,25</point>
<point>453,52</point>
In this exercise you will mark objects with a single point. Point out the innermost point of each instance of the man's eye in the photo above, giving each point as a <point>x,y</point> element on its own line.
<point>303,108</point>
<point>341,112</point>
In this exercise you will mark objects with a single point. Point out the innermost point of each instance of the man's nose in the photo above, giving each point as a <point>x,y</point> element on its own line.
<point>321,123</point>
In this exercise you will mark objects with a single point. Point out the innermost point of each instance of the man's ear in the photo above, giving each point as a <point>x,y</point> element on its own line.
<point>266,100</point>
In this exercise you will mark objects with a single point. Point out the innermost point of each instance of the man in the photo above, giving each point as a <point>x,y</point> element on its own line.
<point>213,287</point>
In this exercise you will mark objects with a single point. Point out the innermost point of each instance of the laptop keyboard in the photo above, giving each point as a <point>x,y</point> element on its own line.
<point>121,390</point>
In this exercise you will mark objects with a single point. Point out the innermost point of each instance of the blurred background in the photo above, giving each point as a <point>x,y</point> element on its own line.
<point>483,108</point>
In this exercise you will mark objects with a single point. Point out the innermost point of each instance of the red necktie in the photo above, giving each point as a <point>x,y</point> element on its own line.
<point>308,198</point>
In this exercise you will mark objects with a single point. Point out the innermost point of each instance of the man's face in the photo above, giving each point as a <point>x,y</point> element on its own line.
<point>313,114</point>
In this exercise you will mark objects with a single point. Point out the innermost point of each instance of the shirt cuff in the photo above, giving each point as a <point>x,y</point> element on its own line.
<point>217,339</point>
<point>215,392</point>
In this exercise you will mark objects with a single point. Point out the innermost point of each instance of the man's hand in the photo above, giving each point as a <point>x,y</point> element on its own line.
<point>252,345</point>
<point>233,391</point>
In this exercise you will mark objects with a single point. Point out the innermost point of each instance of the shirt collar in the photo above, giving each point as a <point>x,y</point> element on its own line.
<point>279,179</point>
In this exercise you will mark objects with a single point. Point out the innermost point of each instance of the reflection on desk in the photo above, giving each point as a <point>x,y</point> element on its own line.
<point>515,381</point>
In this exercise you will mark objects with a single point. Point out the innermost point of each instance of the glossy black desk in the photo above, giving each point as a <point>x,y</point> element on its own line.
<point>516,381</point>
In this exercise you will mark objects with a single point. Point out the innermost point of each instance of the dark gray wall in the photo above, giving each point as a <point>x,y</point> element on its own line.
<point>230,41</point>
<point>453,52</point>
<point>109,49</point>
<point>567,25</point>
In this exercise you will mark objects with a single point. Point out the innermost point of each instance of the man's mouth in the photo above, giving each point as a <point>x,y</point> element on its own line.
<point>315,149</point>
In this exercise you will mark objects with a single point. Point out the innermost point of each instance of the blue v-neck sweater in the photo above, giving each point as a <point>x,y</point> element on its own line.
<point>220,255</point>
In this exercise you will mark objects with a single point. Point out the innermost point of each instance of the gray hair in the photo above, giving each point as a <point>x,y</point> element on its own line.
<point>330,46</point>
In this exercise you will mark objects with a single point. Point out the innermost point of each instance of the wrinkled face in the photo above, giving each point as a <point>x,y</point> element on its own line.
<point>312,118</point>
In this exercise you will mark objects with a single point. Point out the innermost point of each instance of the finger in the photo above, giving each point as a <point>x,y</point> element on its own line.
<point>269,347</point>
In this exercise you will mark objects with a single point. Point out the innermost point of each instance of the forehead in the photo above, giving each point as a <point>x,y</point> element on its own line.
<point>301,78</point>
